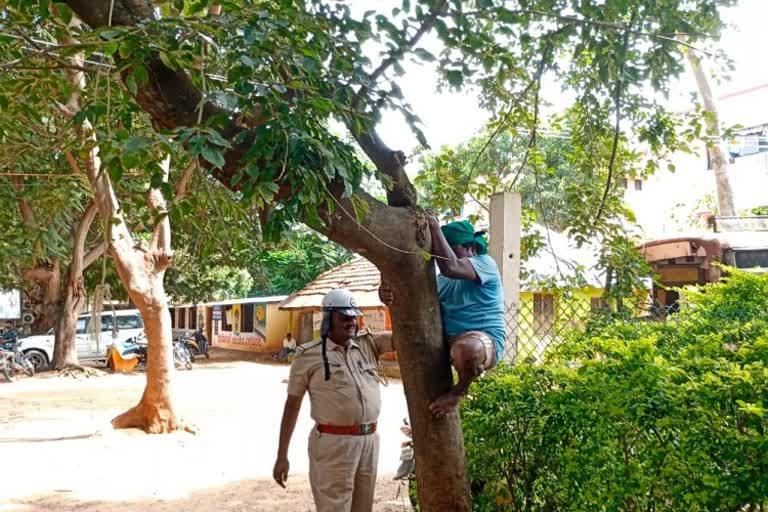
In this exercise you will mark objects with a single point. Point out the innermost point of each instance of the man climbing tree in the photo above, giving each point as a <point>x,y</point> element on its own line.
<point>471,304</point>
<point>252,89</point>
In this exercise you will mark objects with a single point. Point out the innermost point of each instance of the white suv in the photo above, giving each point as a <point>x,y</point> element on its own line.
<point>39,349</point>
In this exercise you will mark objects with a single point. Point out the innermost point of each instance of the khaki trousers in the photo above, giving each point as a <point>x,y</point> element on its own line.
<point>342,471</point>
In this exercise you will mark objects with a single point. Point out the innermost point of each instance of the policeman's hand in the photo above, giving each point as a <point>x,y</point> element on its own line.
<point>386,295</point>
<point>280,472</point>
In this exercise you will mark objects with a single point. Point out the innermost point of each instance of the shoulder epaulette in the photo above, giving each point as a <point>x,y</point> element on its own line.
<point>308,346</point>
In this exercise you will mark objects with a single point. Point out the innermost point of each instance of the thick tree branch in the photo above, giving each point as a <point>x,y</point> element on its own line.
<point>388,162</point>
<point>27,213</point>
<point>80,234</point>
<point>170,97</point>
<point>161,235</point>
<point>94,254</point>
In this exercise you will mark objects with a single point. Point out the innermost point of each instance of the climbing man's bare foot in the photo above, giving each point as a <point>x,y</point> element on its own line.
<point>445,404</point>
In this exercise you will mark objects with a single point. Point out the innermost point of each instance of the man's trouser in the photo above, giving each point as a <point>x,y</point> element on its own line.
<point>342,471</point>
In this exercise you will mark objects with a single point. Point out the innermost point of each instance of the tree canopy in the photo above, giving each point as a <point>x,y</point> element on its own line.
<point>250,88</point>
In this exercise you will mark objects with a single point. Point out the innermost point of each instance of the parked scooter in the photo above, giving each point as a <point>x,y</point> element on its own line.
<point>13,361</point>
<point>196,343</point>
<point>137,347</point>
<point>181,355</point>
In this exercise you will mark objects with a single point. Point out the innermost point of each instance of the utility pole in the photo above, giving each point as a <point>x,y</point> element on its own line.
<point>505,221</point>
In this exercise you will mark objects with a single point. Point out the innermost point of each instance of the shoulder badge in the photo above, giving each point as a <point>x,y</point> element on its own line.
<point>308,346</point>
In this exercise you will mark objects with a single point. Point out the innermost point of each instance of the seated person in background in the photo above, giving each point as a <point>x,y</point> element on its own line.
<point>471,304</point>
<point>289,348</point>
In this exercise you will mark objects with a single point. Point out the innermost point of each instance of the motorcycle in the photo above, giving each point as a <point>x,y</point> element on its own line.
<point>13,361</point>
<point>181,355</point>
<point>196,343</point>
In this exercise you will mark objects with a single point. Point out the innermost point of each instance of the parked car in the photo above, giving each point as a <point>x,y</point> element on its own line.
<point>39,349</point>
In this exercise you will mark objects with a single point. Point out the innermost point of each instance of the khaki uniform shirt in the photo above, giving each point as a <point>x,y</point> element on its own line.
<point>351,396</point>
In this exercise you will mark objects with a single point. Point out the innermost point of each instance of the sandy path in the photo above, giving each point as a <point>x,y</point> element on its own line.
<point>65,456</point>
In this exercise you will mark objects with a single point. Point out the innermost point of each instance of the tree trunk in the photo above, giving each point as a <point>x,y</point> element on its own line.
<point>717,159</point>
<point>65,344</point>
<point>155,413</point>
<point>418,336</point>
<point>142,271</point>
<point>65,333</point>
<point>46,296</point>
<point>425,367</point>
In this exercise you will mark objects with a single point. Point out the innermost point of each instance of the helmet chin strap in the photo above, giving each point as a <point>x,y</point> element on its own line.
<point>325,330</point>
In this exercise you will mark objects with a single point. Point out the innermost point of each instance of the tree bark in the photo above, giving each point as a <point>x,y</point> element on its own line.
<point>725,202</point>
<point>46,296</point>
<point>65,344</point>
<point>172,100</point>
<point>141,272</point>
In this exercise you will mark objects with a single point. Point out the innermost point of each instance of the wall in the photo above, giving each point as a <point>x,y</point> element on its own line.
<point>266,338</point>
<point>568,312</point>
<point>278,325</point>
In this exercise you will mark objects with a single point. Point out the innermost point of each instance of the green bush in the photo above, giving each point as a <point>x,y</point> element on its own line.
<point>652,416</point>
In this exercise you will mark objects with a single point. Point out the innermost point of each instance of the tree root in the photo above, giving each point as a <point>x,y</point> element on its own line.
<point>152,420</point>
<point>76,371</point>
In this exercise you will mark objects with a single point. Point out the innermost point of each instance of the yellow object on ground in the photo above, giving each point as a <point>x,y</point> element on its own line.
<point>118,364</point>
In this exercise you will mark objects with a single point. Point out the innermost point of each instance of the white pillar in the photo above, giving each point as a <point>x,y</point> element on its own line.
<point>505,220</point>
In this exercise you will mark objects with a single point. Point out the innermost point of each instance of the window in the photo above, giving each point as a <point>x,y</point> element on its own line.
<point>192,318</point>
<point>752,259</point>
<point>638,185</point>
<point>107,323</point>
<point>226,318</point>
<point>624,183</point>
<point>82,325</point>
<point>543,312</point>
<point>182,318</point>
<point>128,322</point>
<point>247,318</point>
<point>173,318</point>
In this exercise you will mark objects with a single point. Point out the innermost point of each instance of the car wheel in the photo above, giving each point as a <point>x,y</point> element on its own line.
<point>38,359</point>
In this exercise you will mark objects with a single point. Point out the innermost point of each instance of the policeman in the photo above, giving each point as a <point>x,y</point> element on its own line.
<point>340,371</point>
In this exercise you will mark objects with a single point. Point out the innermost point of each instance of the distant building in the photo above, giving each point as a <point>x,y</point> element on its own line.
<point>253,324</point>
<point>668,201</point>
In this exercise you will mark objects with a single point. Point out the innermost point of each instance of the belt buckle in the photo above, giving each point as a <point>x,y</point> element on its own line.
<point>366,429</point>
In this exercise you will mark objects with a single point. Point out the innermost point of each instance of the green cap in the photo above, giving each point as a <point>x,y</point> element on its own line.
<point>463,232</point>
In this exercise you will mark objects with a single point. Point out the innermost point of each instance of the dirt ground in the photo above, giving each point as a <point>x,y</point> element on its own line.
<point>60,452</point>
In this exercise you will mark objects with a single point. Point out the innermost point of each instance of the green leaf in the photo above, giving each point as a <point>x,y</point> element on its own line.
<point>455,78</point>
<point>424,54</point>
<point>110,48</point>
<point>130,82</point>
<point>65,12</point>
<point>214,156</point>
<point>167,60</point>
<point>137,143</point>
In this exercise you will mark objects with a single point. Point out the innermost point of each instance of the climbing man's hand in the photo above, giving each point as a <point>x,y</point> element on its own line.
<point>386,295</point>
